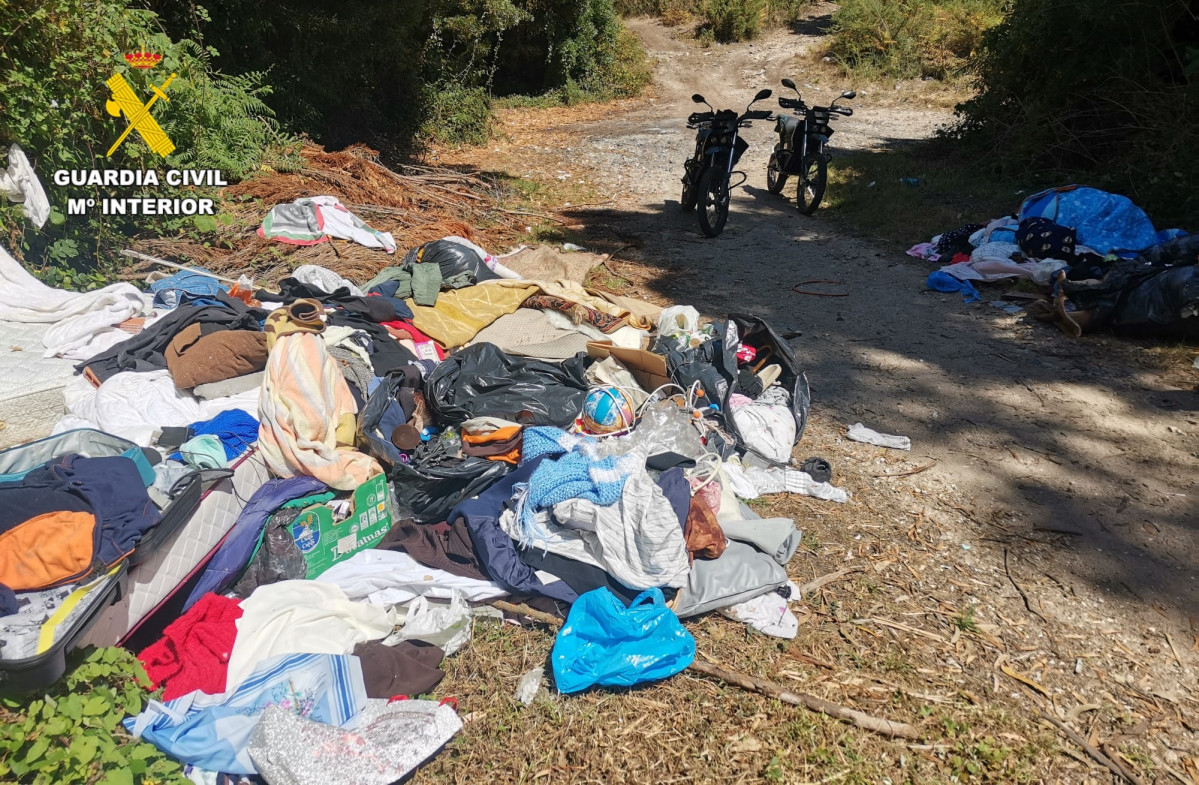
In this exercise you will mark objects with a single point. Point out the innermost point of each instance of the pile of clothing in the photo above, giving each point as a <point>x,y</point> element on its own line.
<point>1095,258</point>
<point>498,436</point>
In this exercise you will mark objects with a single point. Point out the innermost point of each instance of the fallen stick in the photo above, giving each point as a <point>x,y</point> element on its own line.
<point>548,619</point>
<point>819,583</point>
<point>155,260</point>
<point>1023,596</point>
<point>767,688</point>
<point>917,470</point>
<point>1108,763</point>
<point>776,691</point>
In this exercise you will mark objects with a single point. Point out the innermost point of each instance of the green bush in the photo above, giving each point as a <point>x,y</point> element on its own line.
<point>725,21</point>
<point>458,115</point>
<point>391,73</point>
<point>1102,91</point>
<point>73,733</point>
<point>906,39</point>
<point>55,56</point>
<point>732,20</point>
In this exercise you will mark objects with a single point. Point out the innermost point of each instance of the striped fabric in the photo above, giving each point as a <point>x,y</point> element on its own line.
<point>637,540</point>
<point>306,416</point>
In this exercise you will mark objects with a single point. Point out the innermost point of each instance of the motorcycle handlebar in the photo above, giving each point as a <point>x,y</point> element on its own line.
<point>844,110</point>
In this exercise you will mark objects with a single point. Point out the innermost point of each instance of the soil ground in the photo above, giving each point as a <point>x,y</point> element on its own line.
<point>1036,551</point>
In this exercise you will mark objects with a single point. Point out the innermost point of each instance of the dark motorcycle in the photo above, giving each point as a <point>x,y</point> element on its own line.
<point>718,147</point>
<point>801,149</point>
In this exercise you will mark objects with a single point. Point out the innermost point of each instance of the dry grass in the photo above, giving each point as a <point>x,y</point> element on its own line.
<point>929,634</point>
<point>416,204</point>
<point>934,632</point>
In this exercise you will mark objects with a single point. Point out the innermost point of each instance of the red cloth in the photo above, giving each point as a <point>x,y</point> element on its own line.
<point>417,335</point>
<point>958,258</point>
<point>193,653</point>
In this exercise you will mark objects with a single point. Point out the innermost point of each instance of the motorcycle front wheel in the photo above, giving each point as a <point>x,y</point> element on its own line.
<point>811,183</point>
<point>775,178</point>
<point>690,193</point>
<point>713,201</point>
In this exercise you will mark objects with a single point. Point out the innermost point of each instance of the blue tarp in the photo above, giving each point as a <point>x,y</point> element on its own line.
<point>1103,222</point>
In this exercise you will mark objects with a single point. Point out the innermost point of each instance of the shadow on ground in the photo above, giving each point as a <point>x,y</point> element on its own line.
<point>1072,446</point>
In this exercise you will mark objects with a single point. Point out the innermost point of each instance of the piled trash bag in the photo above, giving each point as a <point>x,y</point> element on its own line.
<point>598,472</point>
<point>1095,258</point>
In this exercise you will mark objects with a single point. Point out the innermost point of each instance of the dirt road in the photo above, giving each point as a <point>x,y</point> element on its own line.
<point>1052,433</point>
<point>1073,458</point>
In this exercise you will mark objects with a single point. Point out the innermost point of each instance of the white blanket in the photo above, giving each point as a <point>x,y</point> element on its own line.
<point>135,406</point>
<point>83,321</point>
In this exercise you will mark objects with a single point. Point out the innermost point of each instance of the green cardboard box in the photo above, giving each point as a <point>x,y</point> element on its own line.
<point>324,542</point>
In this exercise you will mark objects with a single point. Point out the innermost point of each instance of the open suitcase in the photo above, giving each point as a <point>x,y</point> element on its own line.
<point>160,580</point>
<point>50,623</point>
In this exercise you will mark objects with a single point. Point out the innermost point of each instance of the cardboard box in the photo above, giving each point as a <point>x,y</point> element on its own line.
<point>324,542</point>
<point>648,369</point>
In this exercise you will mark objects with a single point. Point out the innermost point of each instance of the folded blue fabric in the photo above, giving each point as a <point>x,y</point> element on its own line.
<point>167,291</point>
<point>941,281</point>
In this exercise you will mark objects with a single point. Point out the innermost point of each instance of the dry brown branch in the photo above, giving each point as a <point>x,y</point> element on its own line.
<point>770,689</point>
<point>835,710</point>
<point>819,583</point>
<point>1111,765</point>
<point>917,470</point>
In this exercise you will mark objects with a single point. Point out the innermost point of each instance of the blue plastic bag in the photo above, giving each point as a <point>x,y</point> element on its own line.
<point>941,281</point>
<point>603,642</point>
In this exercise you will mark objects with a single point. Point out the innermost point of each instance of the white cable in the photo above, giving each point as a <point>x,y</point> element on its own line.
<point>713,463</point>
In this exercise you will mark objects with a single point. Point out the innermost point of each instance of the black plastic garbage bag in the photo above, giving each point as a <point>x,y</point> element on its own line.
<point>277,558</point>
<point>714,365</point>
<point>429,493</point>
<point>453,258</point>
<point>1134,298</point>
<point>397,389</point>
<point>1164,304</point>
<point>481,380</point>
<point>760,335</point>
<point>1179,251</point>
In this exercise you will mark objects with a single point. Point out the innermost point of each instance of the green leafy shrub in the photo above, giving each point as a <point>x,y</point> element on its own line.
<point>392,74</point>
<point>725,21</point>
<point>74,733</point>
<point>55,56</point>
<point>1098,91</point>
<point>732,20</point>
<point>906,39</point>
<point>458,115</point>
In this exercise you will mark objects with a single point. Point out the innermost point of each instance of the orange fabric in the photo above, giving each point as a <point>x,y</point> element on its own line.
<point>47,550</point>
<point>511,433</point>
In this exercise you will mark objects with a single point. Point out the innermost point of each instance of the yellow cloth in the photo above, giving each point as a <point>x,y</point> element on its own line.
<point>461,313</point>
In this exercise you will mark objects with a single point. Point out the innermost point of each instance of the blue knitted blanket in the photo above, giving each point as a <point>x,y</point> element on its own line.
<point>580,473</point>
